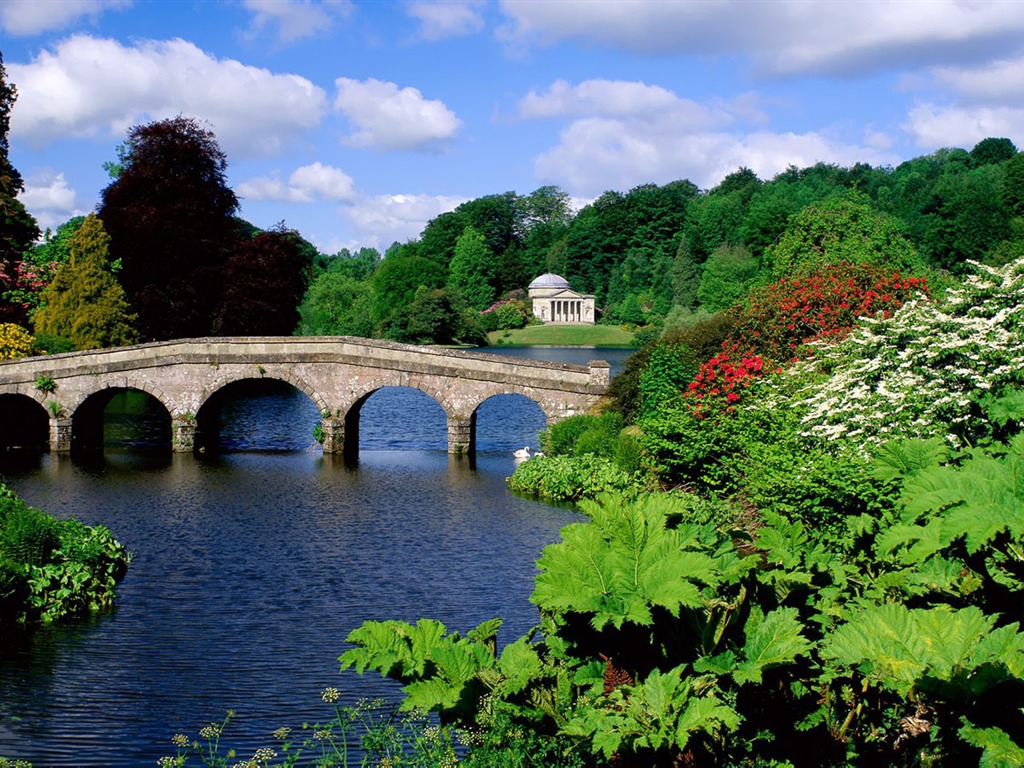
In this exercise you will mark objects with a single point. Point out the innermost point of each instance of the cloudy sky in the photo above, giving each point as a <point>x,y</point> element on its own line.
<point>356,122</point>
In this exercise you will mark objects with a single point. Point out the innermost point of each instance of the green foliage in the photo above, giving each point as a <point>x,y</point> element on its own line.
<point>85,303</point>
<point>836,230</point>
<point>49,344</point>
<point>471,271</point>
<point>337,305</point>
<point>52,570</point>
<point>622,565</point>
<point>727,274</point>
<point>582,434</point>
<point>569,478</point>
<point>993,150</point>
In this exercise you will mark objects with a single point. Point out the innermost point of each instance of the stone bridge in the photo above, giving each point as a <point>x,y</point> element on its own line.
<point>337,373</point>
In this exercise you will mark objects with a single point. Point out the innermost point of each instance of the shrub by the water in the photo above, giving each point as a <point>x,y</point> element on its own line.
<point>53,569</point>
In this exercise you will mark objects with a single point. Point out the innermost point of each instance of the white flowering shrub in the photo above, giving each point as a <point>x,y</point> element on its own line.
<point>917,373</point>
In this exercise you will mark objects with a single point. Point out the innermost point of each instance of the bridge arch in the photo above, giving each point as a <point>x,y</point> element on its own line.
<point>24,421</point>
<point>492,428</point>
<point>89,416</point>
<point>284,410</point>
<point>346,427</point>
<point>70,408</point>
<point>274,373</point>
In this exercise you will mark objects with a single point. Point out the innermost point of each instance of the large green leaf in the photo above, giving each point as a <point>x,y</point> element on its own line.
<point>622,564</point>
<point>772,640</point>
<point>952,652</point>
<point>393,648</point>
<point>998,749</point>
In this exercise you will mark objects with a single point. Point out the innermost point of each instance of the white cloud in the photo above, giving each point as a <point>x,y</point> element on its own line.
<point>782,37</point>
<point>1000,82</point>
<point>454,18</point>
<point>50,200</point>
<point>382,220</point>
<point>385,116</point>
<point>89,87</point>
<point>296,19</point>
<point>307,184</point>
<point>597,154</point>
<point>32,17</point>
<point>601,97</point>
<point>933,126</point>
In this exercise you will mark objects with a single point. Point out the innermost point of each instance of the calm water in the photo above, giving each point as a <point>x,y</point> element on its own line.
<point>252,565</point>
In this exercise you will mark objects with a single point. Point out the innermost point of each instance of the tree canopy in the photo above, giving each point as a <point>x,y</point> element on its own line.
<point>170,214</point>
<point>85,303</point>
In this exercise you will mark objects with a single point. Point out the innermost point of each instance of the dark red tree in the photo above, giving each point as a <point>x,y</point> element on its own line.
<point>265,278</point>
<point>169,213</point>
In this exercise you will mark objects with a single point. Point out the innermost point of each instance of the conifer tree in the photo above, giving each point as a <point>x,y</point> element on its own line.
<point>18,230</point>
<point>84,303</point>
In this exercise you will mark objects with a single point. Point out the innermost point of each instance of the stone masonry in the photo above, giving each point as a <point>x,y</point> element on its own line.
<point>337,373</point>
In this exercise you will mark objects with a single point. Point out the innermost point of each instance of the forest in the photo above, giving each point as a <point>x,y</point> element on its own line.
<point>803,541</point>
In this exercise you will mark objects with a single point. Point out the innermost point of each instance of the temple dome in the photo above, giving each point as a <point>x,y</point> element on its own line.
<point>549,280</point>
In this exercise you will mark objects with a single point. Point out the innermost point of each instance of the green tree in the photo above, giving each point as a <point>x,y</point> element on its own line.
<point>472,270</point>
<point>835,230</point>
<point>969,218</point>
<point>991,150</point>
<point>402,272</point>
<point>337,305</point>
<point>685,276</point>
<point>170,216</point>
<point>1012,192</point>
<point>727,275</point>
<point>18,230</point>
<point>84,303</point>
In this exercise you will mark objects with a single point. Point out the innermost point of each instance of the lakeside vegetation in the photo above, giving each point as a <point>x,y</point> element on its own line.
<point>53,570</point>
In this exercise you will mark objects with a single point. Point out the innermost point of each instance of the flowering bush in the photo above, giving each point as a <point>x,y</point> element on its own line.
<point>25,288</point>
<point>721,380</point>
<point>778,318</point>
<point>918,372</point>
<point>505,315</point>
<point>15,341</point>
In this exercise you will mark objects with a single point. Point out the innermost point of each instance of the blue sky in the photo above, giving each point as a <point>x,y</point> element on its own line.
<point>356,122</point>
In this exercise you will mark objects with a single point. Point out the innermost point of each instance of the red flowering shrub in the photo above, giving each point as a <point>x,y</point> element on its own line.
<point>778,318</point>
<point>721,380</point>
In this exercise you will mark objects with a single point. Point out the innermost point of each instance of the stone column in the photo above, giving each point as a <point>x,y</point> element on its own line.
<point>60,435</point>
<point>600,373</point>
<point>334,435</point>
<point>461,437</point>
<point>184,439</point>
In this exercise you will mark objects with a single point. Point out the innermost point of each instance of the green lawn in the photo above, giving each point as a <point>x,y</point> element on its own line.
<point>562,336</point>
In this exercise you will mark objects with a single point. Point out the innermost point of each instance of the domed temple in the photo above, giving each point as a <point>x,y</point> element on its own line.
<point>555,302</point>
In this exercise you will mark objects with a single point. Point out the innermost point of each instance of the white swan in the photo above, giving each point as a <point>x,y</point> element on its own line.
<point>522,453</point>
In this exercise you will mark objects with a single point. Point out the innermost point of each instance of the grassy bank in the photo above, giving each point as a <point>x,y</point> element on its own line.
<point>562,336</point>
